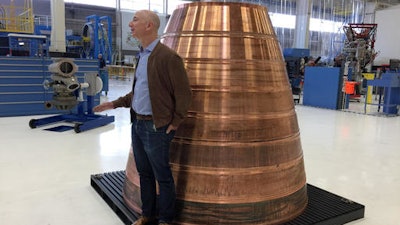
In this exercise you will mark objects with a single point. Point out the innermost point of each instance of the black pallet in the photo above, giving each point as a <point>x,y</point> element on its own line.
<point>110,186</point>
<point>324,208</point>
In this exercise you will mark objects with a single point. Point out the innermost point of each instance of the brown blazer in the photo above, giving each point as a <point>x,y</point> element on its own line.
<point>170,92</point>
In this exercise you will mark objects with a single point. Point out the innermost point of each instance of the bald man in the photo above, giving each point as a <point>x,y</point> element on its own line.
<point>159,101</point>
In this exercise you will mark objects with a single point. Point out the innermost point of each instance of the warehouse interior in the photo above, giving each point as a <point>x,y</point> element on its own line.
<point>342,72</point>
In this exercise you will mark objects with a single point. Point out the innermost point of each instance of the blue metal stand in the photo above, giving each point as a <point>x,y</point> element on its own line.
<point>82,121</point>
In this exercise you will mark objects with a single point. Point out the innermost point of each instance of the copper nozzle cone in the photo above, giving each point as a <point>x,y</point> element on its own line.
<point>237,158</point>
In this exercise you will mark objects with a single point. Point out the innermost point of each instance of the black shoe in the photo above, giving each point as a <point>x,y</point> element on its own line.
<point>145,221</point>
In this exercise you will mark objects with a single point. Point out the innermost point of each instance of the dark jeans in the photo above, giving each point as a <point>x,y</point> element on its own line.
<point>151,151</point>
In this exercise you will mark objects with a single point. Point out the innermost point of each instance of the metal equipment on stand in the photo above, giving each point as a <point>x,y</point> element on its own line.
<point>97,37</point>
<point>68,94</point>
<point>359,52</point>
<point>96,41</point>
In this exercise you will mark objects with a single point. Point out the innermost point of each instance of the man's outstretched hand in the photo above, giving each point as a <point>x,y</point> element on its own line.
<point>103,106</point>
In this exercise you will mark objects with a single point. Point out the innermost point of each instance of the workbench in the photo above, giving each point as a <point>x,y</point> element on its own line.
<point>390,82</point>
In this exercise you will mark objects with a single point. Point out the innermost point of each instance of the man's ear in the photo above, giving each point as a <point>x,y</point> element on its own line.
<point>149,25</point>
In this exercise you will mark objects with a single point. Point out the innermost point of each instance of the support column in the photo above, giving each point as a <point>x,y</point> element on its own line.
<point>165,7</point>
<point>57,26</point>
<point>118,39</point>
<point>302,28</point>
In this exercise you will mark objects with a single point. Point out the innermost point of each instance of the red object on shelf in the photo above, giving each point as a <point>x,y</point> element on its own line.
<point>349,87</point>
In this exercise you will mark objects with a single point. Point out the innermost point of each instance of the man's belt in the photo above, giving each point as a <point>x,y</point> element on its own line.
<point>144,117</point>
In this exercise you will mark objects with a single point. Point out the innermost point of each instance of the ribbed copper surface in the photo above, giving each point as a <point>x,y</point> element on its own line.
<point>237,158</point>
<point>131,191</point>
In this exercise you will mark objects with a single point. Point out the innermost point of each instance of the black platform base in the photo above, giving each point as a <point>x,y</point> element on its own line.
<point>324,208</point>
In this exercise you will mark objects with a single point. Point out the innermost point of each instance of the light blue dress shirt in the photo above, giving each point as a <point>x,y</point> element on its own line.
<point>141,98</point>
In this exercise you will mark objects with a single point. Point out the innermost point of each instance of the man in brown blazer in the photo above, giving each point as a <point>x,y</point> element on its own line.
<point>159,101</point>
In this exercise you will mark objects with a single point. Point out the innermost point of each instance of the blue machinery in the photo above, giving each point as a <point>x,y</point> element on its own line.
<point>23,93</point>
<point>28,45</point>
<point>67,94</point>
<point>323,88</point>
<point>97,38</point>
<point>23,78</point>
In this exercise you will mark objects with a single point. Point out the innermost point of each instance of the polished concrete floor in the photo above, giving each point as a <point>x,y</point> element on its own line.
<point>45,176</point>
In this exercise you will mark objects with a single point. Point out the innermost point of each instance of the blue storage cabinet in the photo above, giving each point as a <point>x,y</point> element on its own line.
<point>322,87</point>
<point>21,84</point>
